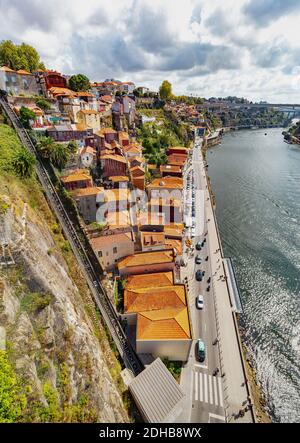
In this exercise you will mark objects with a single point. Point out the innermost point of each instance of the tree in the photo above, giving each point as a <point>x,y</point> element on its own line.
<point>23,163</point>
<point>19,56</point>
<point>43,104</point>
<point>26,115</point>
<point>57,153</point>
<point>165,90</point>
<point>79,82</point>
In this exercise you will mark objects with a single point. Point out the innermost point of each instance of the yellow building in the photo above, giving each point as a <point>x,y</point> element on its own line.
<point>90,118</point>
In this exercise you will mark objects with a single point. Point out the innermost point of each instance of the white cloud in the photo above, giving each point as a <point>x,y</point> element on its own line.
<point>248,48</point>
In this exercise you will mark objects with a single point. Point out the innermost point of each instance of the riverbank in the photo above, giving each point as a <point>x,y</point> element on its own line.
<point>254,388</point>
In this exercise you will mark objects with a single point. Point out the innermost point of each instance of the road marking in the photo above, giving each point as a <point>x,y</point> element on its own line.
<point>196,386</point>
<point>217,417</point>
<point>211,400</point>
<point>220,392</point>
<point>215,391</point>
<point>205,388</point>
<point>200,366</point>
<point>201,386</point>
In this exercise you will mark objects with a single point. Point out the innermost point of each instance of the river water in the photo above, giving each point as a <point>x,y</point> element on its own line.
<point>256,181</point>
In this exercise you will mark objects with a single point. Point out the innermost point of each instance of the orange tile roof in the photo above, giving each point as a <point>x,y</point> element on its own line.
<point>123,135</point>
<point>170,168</point>
<point>106,131</point>
<point>149,280</point>
<point>81,127</point>
<point>77,175</point>
<point>88,149</point>
<point>88,111</point>
<point>138,159</point>
<point>93,190</point>
<point>167,324</point>
<point>147,258</point>
<point>153,238</point>
<point>63,91</point>
<point>84,94</point>
<point>23,72</point>
<point>6,69</point>
<point>108,240</point>
<point>176,159</point>
<point>166,182</point>
<point>175,244</point>
<point>154,298</point>
<point>117,158</point>
<point>119,178</point>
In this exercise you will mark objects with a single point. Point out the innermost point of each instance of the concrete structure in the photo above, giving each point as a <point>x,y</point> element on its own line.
<point>18,82</point>
<point>87,201</point>
<point>157,395</point>
<point>111,248</point>
<point>89,118</point>
<point>160,316</point>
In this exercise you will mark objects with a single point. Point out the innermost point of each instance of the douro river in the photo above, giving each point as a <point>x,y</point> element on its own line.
<point>256,180</point>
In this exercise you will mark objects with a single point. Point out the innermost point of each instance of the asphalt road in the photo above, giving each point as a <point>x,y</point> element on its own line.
<point>205,390</point>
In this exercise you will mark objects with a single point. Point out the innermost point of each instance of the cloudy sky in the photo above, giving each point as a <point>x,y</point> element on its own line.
<point>248,48</point>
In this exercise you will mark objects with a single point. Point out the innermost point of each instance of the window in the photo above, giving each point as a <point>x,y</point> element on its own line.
<point>99,253</point>
<point>115,250</point>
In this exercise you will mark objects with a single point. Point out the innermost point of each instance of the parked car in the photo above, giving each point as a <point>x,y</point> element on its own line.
<point>200,350</point>
<point>198,259</point>
<point>199,302</point>
<point>199,275</point>
<point>209,280</point>
<point>198,246</point>
<point>208,288</point>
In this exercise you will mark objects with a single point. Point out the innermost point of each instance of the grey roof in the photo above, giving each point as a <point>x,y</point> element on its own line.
<point>157,394</point>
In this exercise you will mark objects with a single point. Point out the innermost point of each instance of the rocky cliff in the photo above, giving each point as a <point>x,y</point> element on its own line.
<point>59,364</point>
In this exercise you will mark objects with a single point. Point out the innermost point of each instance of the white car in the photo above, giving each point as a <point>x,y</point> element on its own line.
<point>200,302</point>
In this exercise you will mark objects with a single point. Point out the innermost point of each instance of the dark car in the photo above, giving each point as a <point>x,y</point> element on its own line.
<point>200,351</point>
<point>209,280</point>
<point>198,259</point>
<point>203,273</point>
<point>198,246</point>
<point>208,288</point>
<point>199,275</point>
<point>202,244</point>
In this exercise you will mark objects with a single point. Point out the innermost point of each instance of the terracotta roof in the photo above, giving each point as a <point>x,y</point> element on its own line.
<point>84,94</point>
<point>170,168</point>
<point>75,177</point>
<point>88,111</point>
<point>132,149</point>
<point>106,98</point>
<point>88,149</point>
<point>123,135</point>
<point>182,148</point>
<point>149,280</point>
<point>177,159</point>
<point>117,158</point>
<point>165,324</point>
<point>153,238</point>
<point>147,258</point>
<point>174,243</point>
<point>106,131</point>
<point>23,72</point>
<point>166,182</point>
<point>109,240</point>
<point>119,178</point>
<point>93,190</point>
<point>154,298</point>
<point>138,159</point>
<point>61,91</point>
<point>6,69</point>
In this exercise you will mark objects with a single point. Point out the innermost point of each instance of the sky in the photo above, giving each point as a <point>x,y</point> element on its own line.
<point>247,48</point>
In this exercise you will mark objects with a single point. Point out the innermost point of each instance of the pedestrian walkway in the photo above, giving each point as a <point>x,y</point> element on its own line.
<point>207,389</point>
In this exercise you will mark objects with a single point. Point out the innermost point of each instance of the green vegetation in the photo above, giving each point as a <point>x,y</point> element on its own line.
<point>174,367</point>
<point>79,82</point>
<point>165,90</point>
<point>43,104</point>
<point>57,153</point>
<point>26,115</point>
<point>23,163</point>
<point>12,399</point>
<point>14,158</point>
<point>19,56</point>
<point>156,137</point>
<point>34,301</point>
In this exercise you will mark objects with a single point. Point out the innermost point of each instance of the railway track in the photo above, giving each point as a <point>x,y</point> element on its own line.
<point>85,256</point>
